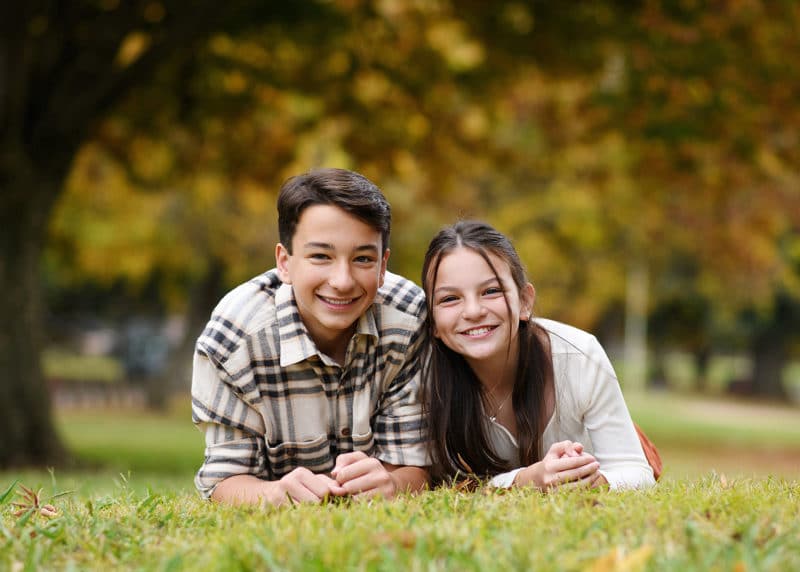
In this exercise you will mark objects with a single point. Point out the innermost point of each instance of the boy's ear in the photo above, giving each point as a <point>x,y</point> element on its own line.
<point>282,257</point>
<point>384,261</point>
<point>528,299</point>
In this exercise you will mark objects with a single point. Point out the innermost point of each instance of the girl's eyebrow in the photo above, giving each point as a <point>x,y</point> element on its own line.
<point>454,288</point>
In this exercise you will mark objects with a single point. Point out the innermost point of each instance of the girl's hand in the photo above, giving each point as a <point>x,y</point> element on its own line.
<point>564,466</point>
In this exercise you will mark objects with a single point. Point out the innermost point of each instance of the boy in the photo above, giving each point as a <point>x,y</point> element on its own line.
<point>306,377</point>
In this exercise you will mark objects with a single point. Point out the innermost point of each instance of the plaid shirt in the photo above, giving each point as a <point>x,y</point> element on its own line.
<point>268,401</point>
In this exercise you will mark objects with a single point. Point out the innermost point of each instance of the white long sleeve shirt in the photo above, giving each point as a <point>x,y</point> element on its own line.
<point>589,409</point>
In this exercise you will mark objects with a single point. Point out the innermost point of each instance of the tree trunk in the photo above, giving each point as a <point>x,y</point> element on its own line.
<point>769,360</point>
<point>636,327</point>
<point>702,359</point>
<point>28,436</point>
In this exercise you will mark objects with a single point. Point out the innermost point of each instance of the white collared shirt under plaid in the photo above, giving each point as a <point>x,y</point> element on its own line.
<point>268,401</point>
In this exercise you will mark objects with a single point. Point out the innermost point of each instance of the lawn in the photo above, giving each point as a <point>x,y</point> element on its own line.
<point>710,523</point>
<point>729,500</point>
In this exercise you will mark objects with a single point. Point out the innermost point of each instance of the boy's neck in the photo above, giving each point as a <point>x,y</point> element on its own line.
<point>336,348</point>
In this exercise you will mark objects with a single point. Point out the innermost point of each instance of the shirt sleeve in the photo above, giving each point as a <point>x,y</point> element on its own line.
<point>234,431</point>
<point>505,480</point>
<point>606,417</point>
<point>399,424</point>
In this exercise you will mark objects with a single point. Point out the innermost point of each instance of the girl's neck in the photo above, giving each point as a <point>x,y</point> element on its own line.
<point>497,375</point>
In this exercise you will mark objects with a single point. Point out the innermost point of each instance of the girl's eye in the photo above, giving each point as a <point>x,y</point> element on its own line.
<point>493,290</point>
<point>446,299</point>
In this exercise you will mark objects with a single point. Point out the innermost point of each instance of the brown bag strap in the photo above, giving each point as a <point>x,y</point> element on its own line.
<point>650,452</point>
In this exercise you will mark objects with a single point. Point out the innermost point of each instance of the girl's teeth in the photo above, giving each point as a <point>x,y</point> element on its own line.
<point>337,302</point>
<point>477,331</point>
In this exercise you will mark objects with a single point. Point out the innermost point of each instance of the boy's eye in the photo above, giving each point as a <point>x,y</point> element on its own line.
<point>318,256</point>
<point>365,259</point>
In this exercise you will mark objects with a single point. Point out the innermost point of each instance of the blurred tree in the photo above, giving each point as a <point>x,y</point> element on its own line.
<point>184,117</point>
<point>709,103</point>
<point>245,113</point>
<point>64,66</point>
<point>672,138</point>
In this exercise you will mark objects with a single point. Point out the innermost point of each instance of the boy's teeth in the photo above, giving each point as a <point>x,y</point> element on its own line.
<point>338,302</point>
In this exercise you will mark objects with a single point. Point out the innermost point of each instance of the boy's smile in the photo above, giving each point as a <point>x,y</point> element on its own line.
<point>335,269</point>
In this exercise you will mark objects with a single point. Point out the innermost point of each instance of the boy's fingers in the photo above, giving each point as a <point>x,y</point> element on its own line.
<point>304,486</point>
<point>356,469</point>
<point>322,486</point>
<point>299,492</point>
<point>347,459</point>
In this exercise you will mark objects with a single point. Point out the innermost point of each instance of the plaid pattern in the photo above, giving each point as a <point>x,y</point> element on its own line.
<point>268,401</point>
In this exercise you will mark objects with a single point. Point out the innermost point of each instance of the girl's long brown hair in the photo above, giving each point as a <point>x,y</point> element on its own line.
<point>457,433</point>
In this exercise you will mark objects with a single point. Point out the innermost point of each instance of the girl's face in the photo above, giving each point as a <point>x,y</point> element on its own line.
<point>471,307</point>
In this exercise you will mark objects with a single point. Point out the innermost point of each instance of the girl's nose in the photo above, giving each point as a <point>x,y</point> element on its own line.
<point>473,308</point>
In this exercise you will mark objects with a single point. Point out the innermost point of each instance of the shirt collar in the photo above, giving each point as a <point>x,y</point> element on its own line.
<point>295,343</point>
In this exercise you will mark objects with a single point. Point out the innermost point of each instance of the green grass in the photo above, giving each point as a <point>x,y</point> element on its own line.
<point>680,420</point>
<point>134,441</point>
<point>729,500</point>
<point>734,437</point>
<point>711,523</point>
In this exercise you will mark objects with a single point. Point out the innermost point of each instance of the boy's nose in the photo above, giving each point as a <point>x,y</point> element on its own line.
<point>341,277</point>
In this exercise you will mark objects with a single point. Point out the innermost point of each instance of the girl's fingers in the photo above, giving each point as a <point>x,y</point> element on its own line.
<point>584,483</point>
<point>578,474</point>
<point>569,463</point>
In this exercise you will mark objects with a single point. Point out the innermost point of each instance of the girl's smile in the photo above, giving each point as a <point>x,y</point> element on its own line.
<point>476,312</point>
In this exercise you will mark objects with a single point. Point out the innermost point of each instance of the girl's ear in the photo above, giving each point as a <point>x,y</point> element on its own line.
<point>527,299</point>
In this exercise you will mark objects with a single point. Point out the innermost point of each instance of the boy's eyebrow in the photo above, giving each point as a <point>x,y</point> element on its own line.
<point>329,246</point>
<point>324,245</point>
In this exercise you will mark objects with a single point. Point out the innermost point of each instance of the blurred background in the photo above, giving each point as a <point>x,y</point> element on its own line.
<point>644,156</point>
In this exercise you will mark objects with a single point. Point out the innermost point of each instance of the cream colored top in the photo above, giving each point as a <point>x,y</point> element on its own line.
<point>589,409</point>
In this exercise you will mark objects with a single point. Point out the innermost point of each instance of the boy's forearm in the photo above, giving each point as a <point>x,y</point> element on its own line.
<point>242,490</point>
<point>408,478</point>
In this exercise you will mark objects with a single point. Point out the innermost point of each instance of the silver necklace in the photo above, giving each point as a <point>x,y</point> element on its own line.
<point>493,418</point>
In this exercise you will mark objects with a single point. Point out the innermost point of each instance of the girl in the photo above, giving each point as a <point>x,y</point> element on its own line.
<point>530,402</point>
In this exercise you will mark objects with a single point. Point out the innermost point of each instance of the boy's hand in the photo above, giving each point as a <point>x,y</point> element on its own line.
<point>363,476</point>
<point>301,485</point>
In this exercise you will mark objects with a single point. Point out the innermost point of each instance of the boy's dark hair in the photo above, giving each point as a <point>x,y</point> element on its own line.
<point>345,189</point>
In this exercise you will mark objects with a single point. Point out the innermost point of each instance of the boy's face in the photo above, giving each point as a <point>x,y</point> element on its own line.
<point>335,269</point>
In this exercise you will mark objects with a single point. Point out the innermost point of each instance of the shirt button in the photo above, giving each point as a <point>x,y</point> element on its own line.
<point>346,431</point>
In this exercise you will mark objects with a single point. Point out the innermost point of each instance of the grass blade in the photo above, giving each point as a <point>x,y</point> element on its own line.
<point>7,493</point>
